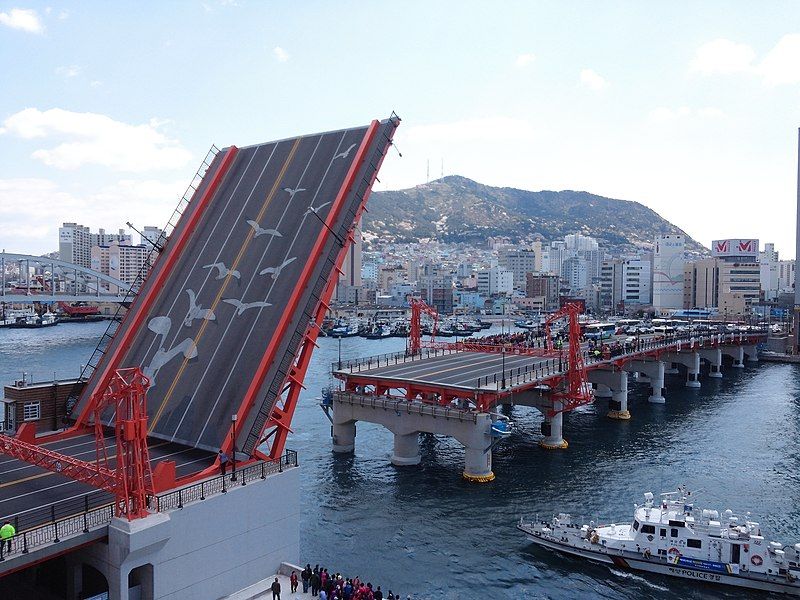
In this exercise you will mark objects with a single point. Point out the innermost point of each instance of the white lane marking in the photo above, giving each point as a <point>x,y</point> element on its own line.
<point>252,327</point>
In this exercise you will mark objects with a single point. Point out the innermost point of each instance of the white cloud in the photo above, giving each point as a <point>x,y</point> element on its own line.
<point>23,19</point>
<point>782,63</point>
<point>592,80</point>
<point>523,60</point>
<point>97,139</point>
<point>722,56</point>
<point>665,114</point>
<point>32,209</point>
<point>488,129</point>
<point>64,14</point>
<point>69,71</point>
<point>280,54</point>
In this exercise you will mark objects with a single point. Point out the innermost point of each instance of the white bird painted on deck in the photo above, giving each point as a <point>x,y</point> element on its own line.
<point>260,231</point>
<point>243,306</point>
<point>344,154</point>
<point>223,271</point>
<point>196,311</point>
<point>315,210</point>
<point>276,271</point>
<point>292,192</point>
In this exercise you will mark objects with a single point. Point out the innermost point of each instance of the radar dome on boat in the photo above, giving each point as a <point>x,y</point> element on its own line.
<point>648,496</point>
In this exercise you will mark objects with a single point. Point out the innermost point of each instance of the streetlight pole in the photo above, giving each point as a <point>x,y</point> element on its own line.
<point>233,445</point>
<point>503,375</point>
<point>340,352</point>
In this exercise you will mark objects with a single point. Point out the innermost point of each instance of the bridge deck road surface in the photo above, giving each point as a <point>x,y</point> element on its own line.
<point>218,313</point>
<point>24,488</point>
<point>460,370</point>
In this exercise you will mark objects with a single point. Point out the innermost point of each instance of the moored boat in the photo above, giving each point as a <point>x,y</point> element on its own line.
<point>674,538</point>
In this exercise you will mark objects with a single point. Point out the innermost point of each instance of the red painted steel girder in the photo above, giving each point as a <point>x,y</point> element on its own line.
<point>418,307</point>
<point>131,480</point>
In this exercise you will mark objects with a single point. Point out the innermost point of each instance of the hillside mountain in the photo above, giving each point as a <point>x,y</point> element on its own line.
<point>457,209</point>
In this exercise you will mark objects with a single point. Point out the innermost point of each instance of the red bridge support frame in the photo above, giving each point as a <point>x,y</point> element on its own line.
<point>415,330</point>
<point>575,389</point>
<point>131,480</point>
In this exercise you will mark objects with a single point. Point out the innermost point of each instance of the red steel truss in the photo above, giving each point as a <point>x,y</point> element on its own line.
<point>130,480</point>
<point>415,331</point>
<point>574,389</point>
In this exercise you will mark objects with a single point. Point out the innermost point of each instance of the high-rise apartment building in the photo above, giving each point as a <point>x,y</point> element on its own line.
<point>495,281</point>
<point>75,242</point>
<point>668,276</point>
<point>519,262</point>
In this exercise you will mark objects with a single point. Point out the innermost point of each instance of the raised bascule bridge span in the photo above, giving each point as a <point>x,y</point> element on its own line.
<point>455,389</point>
<point>218,340</point>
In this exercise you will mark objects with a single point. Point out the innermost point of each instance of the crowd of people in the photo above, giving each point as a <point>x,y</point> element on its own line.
<point>325,586</point>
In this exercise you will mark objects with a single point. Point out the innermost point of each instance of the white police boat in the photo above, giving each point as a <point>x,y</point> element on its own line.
<point>674,538</point>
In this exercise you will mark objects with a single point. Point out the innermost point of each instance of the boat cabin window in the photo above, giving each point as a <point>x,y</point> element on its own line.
<point>676,523</point>
<point>694,543</point>
<point>648,529</point>
<point>635,525</point>
<point>735,553</point>
<point>663,533</point>
<point>673,532</point>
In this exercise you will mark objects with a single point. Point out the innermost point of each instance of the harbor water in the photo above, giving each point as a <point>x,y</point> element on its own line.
<point>426,532</point>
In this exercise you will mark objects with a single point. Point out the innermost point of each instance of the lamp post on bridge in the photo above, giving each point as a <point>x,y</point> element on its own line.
<point>233,445</point>
<point>503,375</point>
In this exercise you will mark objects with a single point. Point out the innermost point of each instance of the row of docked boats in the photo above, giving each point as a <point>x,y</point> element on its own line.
<point>27,319</point>
<point>376,329</point>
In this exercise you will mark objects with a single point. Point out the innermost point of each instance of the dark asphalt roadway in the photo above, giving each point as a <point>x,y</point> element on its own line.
<point>212,323</point>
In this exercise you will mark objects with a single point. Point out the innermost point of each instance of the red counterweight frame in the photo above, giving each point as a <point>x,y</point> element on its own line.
<point>415,330</point>
<point>131,479</point>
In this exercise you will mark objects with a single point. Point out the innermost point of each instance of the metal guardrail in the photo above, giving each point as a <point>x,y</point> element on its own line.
<point>555,366</point>
<point>96,511</point>
<point>177,499</point>
<point>406,406</point>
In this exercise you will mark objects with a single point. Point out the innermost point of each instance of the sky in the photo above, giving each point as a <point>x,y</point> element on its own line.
<point>691,108</point>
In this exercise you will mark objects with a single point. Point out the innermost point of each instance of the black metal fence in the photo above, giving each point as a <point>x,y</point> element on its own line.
<point>65,519</point>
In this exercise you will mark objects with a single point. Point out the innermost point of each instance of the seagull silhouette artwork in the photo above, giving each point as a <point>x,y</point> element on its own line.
<point>276,271</point>
<point>344,154</point>
<point>196,311</point>
<point>243,306</point>
<point>261,231</point>
<point>223,271</point>
<point>292,192</point>
<point>312,209</point>
<point>161,327</point>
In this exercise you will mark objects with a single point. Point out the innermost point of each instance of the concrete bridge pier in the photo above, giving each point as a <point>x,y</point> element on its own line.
<point>344,436</point>
<point>737,353</point>
<point>552,429</point>
<point>751,352</point>
<point>406,449</point>
<point>714,358</point>
<point>616,382</point>
<point>601,390</point>
<point>691,360</point>
<point>654,370</point>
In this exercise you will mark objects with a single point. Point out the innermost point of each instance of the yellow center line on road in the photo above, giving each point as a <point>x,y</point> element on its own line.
<point>46,473</point>
<point>248,239</point>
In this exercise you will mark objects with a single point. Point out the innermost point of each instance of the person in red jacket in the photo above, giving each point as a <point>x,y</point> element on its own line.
<point>293,582</point>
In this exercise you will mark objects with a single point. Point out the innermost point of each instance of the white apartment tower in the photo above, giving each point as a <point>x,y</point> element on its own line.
<point>668,260</point>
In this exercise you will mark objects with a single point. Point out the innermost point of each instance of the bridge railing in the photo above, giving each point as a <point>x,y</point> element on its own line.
<point>405,406</point>
<point>356,365</point>
<point>56,522</point>
<point>557,366</point>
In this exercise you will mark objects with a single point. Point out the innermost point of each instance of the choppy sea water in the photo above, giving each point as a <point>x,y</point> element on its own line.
<point>426,532</point>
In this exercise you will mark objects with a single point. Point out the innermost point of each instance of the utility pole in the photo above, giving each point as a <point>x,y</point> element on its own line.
<point>796,319</point>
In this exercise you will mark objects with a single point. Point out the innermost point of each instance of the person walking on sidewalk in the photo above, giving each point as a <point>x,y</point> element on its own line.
<point>7,533</point>
<point>276,589</point>
<point>293,582</point>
